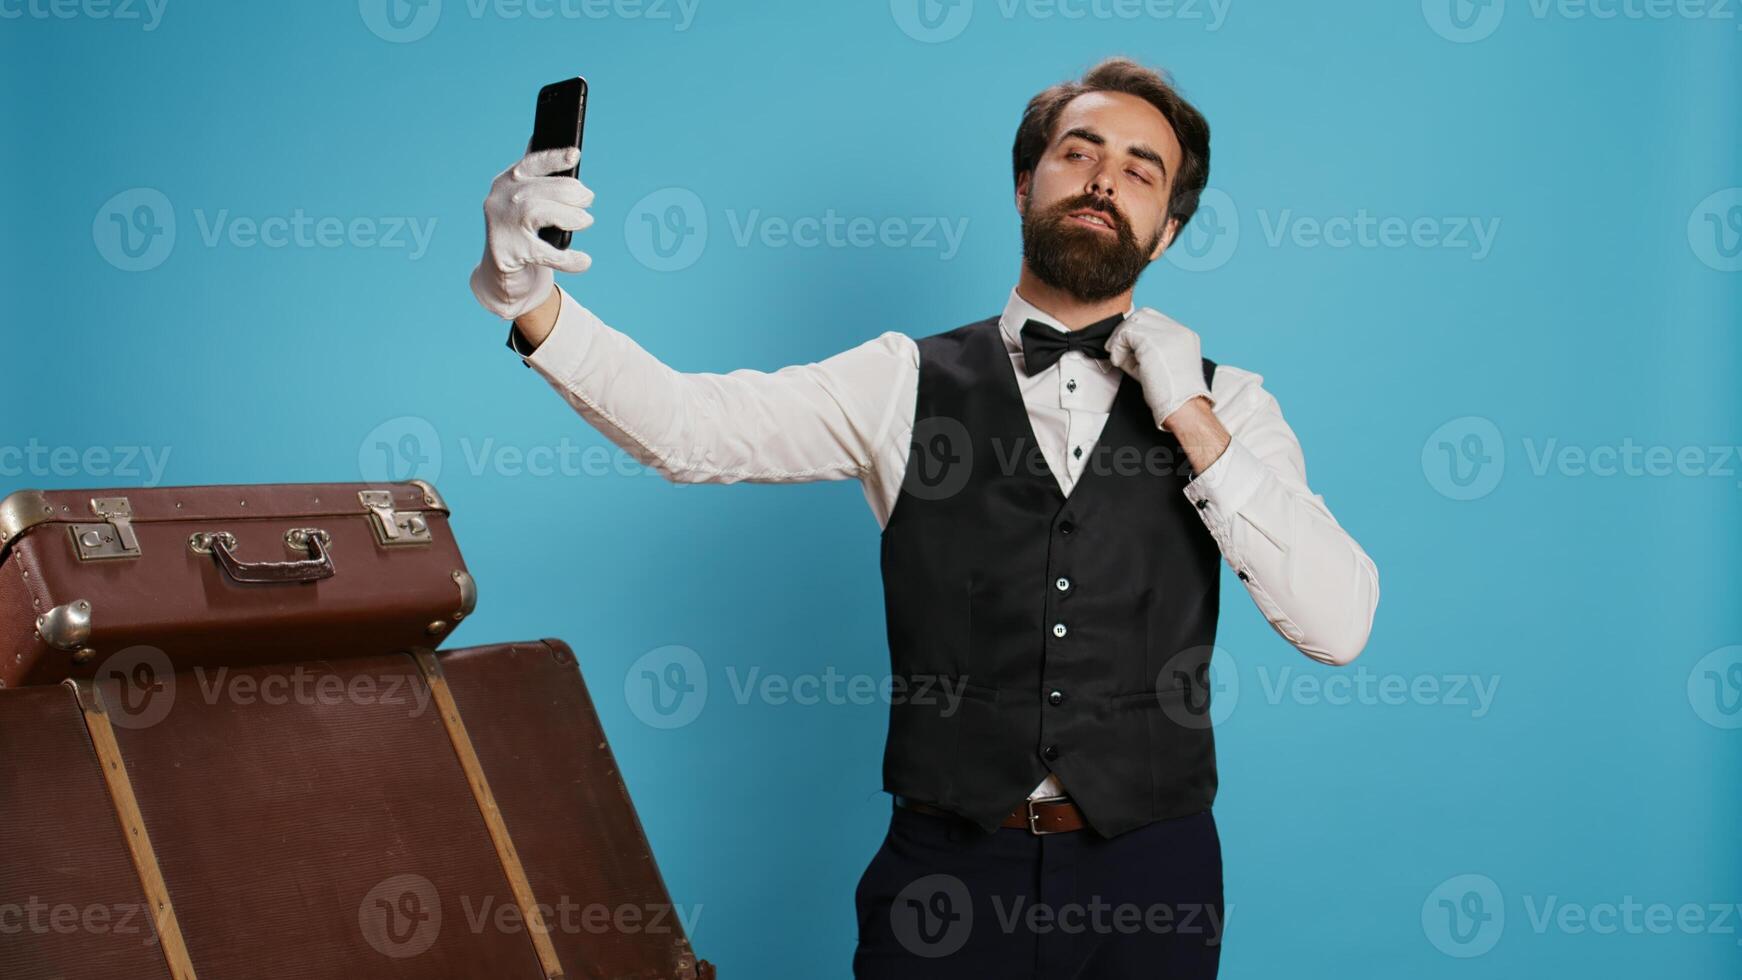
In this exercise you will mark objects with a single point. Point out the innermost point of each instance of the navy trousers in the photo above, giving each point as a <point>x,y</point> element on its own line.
<point>943,899</point>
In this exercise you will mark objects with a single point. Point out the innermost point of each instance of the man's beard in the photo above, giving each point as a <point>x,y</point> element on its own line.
<point>1082,261</point>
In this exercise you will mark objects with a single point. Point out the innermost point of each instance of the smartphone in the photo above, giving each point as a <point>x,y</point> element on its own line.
<point>562,113</point>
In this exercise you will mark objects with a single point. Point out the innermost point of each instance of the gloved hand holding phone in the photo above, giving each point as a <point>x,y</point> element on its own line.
<point>514,276</point>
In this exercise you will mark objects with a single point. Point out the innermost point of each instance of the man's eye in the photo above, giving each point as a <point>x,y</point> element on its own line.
<point>1140,175</point>
<point>1075,153</point>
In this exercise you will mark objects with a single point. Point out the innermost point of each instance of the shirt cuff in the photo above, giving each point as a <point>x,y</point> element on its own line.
<point>1220,491</point>
<point>564,348</point>
<point>519,344</point>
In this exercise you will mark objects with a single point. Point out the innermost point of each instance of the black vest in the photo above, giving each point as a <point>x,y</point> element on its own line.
<point>1031,632</point>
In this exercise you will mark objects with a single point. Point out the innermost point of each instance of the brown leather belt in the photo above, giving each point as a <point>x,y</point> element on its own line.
<point>1044,815</point>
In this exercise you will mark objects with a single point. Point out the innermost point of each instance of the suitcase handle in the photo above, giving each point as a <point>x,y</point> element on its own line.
<point>317,566</point>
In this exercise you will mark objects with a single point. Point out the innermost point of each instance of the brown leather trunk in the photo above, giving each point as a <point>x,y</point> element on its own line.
<point>411,815</point>
<point>565,804</point>
<point>223,575</point>
<point>71,905</point>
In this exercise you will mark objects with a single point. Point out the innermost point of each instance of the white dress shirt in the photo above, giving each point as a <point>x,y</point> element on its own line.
<point>850,416</point>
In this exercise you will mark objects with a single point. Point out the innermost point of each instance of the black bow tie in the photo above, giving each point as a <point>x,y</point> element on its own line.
<point>1043,345</point>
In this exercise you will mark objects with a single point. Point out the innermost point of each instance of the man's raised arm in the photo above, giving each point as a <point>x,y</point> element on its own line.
<point>824,420</point>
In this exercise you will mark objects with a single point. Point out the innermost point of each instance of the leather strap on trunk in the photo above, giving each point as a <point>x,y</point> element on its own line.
<point>169,937</point>
<point>505,852</point>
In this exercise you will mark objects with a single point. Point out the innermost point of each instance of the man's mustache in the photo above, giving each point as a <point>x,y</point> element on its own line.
<point>1061,211</point>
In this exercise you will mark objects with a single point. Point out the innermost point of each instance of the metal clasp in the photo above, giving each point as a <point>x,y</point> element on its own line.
<point>112,539</point>
<point>1034,818</point>
<point>392,527</point>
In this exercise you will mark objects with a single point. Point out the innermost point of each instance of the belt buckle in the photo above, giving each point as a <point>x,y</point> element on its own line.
<point>1034,818</point>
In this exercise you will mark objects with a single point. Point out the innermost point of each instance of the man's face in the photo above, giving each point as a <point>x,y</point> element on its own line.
<point>1094,209</point>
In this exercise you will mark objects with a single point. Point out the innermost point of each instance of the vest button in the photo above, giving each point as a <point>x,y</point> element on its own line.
<point>1050,753</point>
<point>1058,629</point>
<point>1063,583</point>
<point>1066,527</point>
<point>1056,697</point>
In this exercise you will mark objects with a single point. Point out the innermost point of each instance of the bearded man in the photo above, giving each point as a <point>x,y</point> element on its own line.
<point>1057,486</point>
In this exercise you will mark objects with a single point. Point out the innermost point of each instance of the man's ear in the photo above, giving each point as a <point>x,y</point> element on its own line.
<point>1023,181</point>
<point>1166,239</point>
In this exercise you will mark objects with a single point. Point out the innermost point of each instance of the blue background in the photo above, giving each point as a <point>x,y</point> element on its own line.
<point>1596,775</point>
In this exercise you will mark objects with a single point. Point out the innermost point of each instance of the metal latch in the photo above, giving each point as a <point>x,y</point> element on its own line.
<point>113,539</point>
<point>392,527</point>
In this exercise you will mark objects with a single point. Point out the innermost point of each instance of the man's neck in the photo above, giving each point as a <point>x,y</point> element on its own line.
<point>1070,311</point>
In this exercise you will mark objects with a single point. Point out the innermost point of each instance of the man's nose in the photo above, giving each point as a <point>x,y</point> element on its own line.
<point>1102,184</point>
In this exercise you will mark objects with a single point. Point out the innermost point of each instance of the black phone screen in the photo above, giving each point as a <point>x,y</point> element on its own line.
<point>561,116</point>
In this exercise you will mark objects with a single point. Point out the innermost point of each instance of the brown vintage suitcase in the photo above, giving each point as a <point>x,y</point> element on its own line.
<point>223,575</point>
<point>416,816</point>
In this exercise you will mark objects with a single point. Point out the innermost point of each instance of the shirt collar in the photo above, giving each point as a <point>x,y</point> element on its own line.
<point>1018,311</point>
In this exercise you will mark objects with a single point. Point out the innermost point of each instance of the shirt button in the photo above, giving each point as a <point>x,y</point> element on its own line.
<point>1063,583</point>
<point>1242,576</point>
<point>1066,527</point>
<point>1058,629</point>
<point>1077,452</point>
<point>1202,504</point>
<point>1051,752</point>
<point>1056,697</point>
<point>1071,385</point>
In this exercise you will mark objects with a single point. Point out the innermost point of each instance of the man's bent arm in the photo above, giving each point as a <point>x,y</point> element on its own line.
<point>1312,581</point>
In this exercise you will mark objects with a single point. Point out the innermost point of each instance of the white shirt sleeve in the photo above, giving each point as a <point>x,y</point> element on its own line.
<point>824,420</point>
<point>1310,579</point>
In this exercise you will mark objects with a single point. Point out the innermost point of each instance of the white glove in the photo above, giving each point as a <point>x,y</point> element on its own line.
<point>514,276</point>
<point>1164,357</point>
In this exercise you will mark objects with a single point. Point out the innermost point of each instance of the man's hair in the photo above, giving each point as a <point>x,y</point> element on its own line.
<point>1129,77</point>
